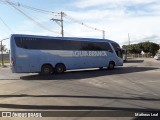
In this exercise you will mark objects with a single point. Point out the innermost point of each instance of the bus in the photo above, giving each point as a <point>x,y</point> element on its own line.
<point>47,55</point>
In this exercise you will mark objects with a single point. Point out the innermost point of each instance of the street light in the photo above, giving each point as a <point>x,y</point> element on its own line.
<point>2,51</point>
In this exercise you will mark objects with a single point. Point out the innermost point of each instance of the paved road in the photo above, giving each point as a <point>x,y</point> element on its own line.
<point>134,87</point>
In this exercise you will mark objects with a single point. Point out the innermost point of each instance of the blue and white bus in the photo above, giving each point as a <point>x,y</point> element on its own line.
<point>46,55</point>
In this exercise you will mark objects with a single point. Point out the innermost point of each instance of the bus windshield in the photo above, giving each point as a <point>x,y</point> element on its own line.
<point>117,49</point>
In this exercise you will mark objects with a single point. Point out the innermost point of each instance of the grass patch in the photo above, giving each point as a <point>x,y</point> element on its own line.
<point>5,61</point>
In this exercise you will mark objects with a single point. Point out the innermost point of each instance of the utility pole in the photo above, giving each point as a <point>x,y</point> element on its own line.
<point>2,51</point>
<point>128,39</point>
<point>62,31</point>
<point>103,32</point>
<point>60,22</point>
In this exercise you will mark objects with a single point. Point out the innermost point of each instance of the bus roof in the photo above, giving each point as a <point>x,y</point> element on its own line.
<point>64,38</point>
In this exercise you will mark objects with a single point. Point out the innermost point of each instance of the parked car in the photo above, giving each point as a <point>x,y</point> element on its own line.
<point>157,56</point>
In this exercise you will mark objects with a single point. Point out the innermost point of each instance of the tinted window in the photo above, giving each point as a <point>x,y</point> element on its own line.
<point>96,46</point>
<point>49,44</point>
<point>108,47</point>
<point>90,46</point>
<point>117,49</point>
<point>71,45</point>
<point>115,46</point>
<point>44,44</point>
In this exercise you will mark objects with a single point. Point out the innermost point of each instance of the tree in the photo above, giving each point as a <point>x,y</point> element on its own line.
<point>133,48</point>
<point>154,48</point>
<point>4,49</point>
<point>147,47</point>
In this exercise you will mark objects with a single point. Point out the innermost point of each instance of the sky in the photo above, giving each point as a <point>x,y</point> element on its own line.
<point>118,18</point>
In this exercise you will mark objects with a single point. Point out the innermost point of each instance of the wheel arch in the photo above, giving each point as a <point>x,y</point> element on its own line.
<point>111,65</point>
<point>47,64</point>
<point>112,62</point>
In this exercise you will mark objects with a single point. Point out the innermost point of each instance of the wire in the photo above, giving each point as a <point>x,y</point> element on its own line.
<point>50,12</point>
<point>6,25</point>
<point>34,9</point>
<point>71,18</point>
<point>16,5</point>
<point>2,1</point>
<point>30,8</point>
<point>30,18</point>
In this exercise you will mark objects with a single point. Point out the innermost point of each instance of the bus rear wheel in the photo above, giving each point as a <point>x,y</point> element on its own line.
<point>60,68</point>
<point>111,65</point>
<point>46,70</point>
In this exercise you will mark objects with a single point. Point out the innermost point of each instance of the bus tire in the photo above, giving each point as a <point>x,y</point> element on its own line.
<point>60,68</point>
<point>47,69</point>
<point>111,65</point>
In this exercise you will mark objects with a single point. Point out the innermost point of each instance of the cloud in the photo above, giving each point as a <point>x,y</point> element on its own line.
<point>140,18</point>
<point>129,7</point>
<point>116,24</point>
<point>94,15</point>
<point>112,3</point>
<point>153,38</point>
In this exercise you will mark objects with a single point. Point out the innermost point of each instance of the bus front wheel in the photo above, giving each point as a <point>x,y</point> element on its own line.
<point>46,70</point>
<point>60,68</point>
<point>111,65</point>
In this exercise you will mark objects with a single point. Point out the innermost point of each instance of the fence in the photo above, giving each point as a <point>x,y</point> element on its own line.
<point>139,55</point>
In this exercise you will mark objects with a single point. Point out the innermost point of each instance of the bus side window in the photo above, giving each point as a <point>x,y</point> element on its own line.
<point>25,46</point>
<point>108,47</point>
<point>110,51</point>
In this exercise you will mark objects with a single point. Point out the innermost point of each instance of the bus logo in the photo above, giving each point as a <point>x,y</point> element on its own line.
<point>89,53</point>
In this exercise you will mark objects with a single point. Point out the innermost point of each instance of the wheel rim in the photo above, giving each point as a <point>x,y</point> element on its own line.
<point>111,66</point>
<point>59,69</point>
<point>46,70</point>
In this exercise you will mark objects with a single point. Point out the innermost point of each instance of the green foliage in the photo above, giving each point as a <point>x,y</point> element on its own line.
<point>147,47</point>
<point>3,48</point>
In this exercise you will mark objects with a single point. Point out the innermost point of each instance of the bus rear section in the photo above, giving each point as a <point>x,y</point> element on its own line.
<point>12,54</point>
<point>42,54</point>
<point>19,58</point>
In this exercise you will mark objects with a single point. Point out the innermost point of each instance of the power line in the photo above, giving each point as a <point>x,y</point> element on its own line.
<point>17,4</point>
<point>34,9</point>
<point>2,1</point>
<point>88,26</point>
<point>30,18</point>
<point>6,25</point>
<point>77,21</point>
